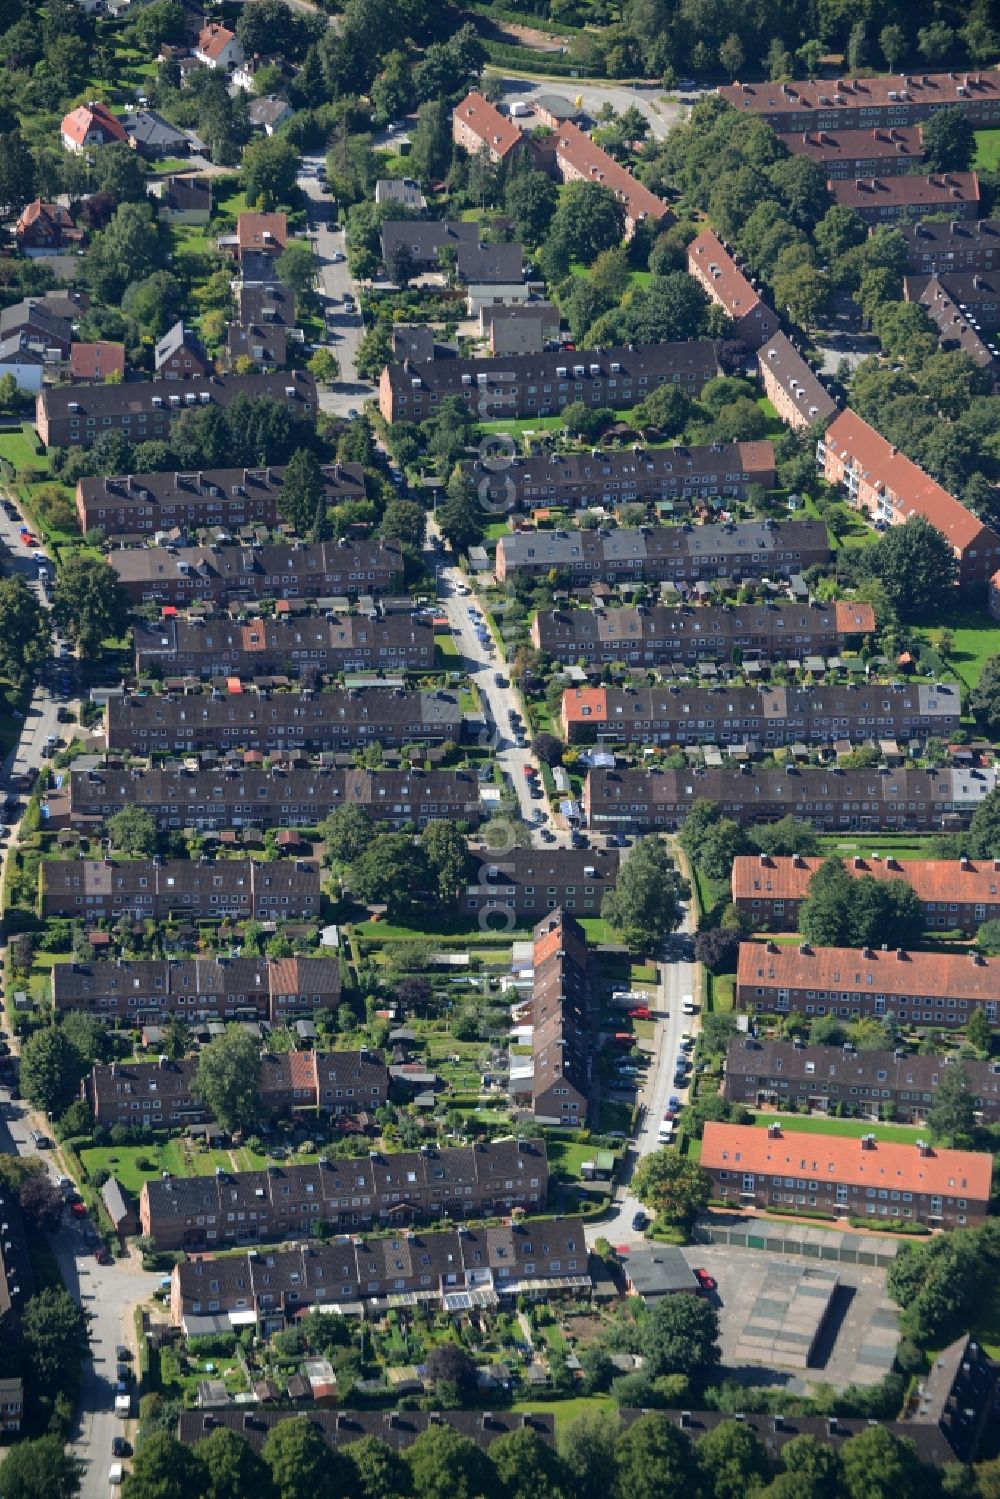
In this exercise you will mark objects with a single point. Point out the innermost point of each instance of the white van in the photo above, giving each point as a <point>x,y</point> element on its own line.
<point>665,1134</point>
<point>688,1006</point>
<point>519,107</point>
<point>115,1474</point>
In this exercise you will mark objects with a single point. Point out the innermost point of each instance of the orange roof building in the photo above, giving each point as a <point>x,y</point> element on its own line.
<point>855,103</point>
<point>91,125</point>
<point>44,228</point>
<point>956,894</point>
<point>916,988</point>
<point>881,200</point>
<point>580,159</point>
<point>96,361</point>
<point>884,482</point>
<point>884,151</point>
<point>476,123</point>
<point>261,231</point>
<point>866,1178</point>
<point>715,270</point>
<point>218,48</point>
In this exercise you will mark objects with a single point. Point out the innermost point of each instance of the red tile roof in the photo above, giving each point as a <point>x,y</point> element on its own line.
<point>595,165</point>
<point>96,361</point>
<point>302,1065</point>
<point>577,699</point>
<point>213,40</point>
<point>976,880</point>
<point>847,970</point>
<point>493,128</point>
<point>852,145</point>
<point>80,121</point>
<point>948,1173</point>
<point>709,256</point>
<point>912,191</point>
<point>857,93</point>
<point>859,445</point>
<point>56,218</point>
<point>851,616</point>
<point>262,231</point>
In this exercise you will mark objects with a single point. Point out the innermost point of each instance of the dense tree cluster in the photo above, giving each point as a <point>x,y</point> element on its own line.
<point>842,911</point>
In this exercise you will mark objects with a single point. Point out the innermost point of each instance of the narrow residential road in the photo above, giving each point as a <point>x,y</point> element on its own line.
<point>108,1293</point>
<point>676,981</point>
<point>344,329</point>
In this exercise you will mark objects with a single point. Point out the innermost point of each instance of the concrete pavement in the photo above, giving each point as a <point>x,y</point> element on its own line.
<point>344,329</point>
<point>593,95</point>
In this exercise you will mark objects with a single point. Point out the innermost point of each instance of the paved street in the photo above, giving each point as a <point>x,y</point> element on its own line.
<point>676,981</point>
<point>109,1293</point>
<point>344,329</point>
<point>593,96</point>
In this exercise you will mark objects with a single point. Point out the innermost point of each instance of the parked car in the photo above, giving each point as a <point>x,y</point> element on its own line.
<point>120,1447</point>
<point>706,1282</point>
<point>103,1257</point>
<point>673,1102</point>
<point>79,1209</point>
<point>639,1221</point>
<point>641,1012</point>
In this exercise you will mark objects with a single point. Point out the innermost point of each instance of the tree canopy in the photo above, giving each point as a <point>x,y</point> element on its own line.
<point>644,906</point>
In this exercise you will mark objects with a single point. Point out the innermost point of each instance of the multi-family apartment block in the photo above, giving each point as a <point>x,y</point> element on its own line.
<point>255,797</point>
<point>794,389</point>
<point>580,159</point>
<point>715,269</point>
<point>866,1178</point>
<point>158,889</point>
<point>282,570</point>
<point>380,1190</point>
<point>560,1003</point>
<point>898,1084</point>
<point>907,800</point>
<point>525,882</point>
<point>659,554</point>
<point>864,103</point>
<point>916,988</point>
<point>733,714</point>
<point>687,633</point>
<point>975,292</point>
<point>141,504</point>
<point>882,151</point>
<point>286,645</point>
<point>960,328</point>
<point>684,475</point>
<point>147,991</point>
<point>159,1095</point>
<point>76,415</point>
<point>524,385</point>
<point>883,200</point>
<point>882,481</point>
<point>956,894</point>
<point>527,1258</point>
<point>266,720</point>
<point>397,1429</point>
<point>937,246</point>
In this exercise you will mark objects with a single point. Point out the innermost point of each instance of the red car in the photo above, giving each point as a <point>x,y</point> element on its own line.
<point>530,772</point>
<point>640,1012</point>
<point>27,539</point>
<point>79,1209</point>
<point>705,1281</point>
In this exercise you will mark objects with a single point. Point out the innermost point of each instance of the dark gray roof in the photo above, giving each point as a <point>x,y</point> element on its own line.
<point>490,265</point>
<point>659,1270</point>
<point>176,338</point>
<point>269,110</point>
<point>271,340</point>
<point>270,303</point>
<point>398,1429</point>
<point>151,130</point>
<point>38,314</point>
<point>204,390</point>
<point>763,1058</point>
<point>413,341</point>
<point>15,349</point>
<point>424,237</point>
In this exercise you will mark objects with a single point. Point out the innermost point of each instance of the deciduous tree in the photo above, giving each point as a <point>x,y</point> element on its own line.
<point>644,906</point>
<point>676,1188</point>
<point>227,1078</point>
<point>50,1070</point>
<point>133,831</point>
<point>41,1469</point>
<point>89,604</point>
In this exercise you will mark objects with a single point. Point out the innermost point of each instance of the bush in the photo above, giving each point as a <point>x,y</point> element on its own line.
<point>98,1177</point>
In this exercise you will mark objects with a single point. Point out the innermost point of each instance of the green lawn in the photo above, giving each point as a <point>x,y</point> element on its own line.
<point>775,426</point>
<point>721,991</point>
<point>566,1411</point>
<point>174,1156</point>
<point>596,929</point>
<point>986,1327</point>
<point>901,846</point>
<point>527,424</point>
<point>19,449</point>
<point>816,1124</point>
<point>987,157</point>
<point>567,1156</point>
<point>446,646</point>
<point>976,637</point>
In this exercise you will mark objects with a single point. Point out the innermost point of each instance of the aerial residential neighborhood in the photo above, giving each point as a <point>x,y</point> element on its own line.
<point>500,765</point>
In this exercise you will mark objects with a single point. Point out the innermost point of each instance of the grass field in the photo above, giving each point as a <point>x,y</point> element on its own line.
<point>123,1161</point>
<point>19,449</point>
<point>566,1411</point>
<point>986,1326</point>
<point>567,1156</point>
<point>596,928</point>
<point>987,157</point>
<point>852,1129</point>
<point>976,637</point>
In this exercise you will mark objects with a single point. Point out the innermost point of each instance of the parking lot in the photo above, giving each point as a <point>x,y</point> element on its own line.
<point>859,1336</point>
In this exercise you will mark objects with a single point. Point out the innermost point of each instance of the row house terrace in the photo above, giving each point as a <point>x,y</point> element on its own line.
<point>684,475</point>
<point>340,1428</point>
<point>883,151</point>
<point>281,570</point>
<point>759,1073</point>
<point>524,882</point>
<point>956,894</point>
<point>147,991</point>
<point>264,720</point>
<point>530,1258</point>
<point>142,504</point>
<point>916,988</point>
<point>286,1202</point>
<point>794,389</point>
<point>159,1096</point>
<point>158,890</point>
<point>904,800</point>
<point>716,271</point>
<point>666,554</point>
<point>771,715</point>
<point>901,99</point>
<point>254,797</point>
<point>867,1178</point>
<point>936,247</point>
<point>286,645</point>
<point>528,385</point>
<point>883,200</point>
<point>650,636</point>
<point>560,1001</point>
